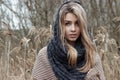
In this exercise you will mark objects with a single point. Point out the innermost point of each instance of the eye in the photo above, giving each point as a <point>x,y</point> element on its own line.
<point>67,23</point>
<point>76,23</point>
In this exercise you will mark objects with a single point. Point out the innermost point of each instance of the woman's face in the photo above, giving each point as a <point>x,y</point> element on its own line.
<point>72,28</point>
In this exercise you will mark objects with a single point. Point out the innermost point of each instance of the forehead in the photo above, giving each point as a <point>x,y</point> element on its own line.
<point>70,17</point>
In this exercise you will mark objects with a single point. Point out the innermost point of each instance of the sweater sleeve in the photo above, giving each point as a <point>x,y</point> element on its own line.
<point>96,73</point>
<point>42,69</point>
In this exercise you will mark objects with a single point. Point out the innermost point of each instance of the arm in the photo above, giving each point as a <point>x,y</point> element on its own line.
<point>42,69</point>
<point>38,67</point>
<point>97,70</point>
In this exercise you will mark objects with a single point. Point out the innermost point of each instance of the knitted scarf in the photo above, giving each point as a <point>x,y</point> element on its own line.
<point>58,57</point>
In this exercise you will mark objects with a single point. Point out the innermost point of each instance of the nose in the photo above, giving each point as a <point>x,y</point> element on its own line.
<point>73,27</point>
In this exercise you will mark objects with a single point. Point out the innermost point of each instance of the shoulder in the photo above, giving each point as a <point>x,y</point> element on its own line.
<point>98,66</point>
<point>42,69</point>
<point>43,50</point>
<point>42,53</point>
<point>97,58</point>
<point>96,72</point>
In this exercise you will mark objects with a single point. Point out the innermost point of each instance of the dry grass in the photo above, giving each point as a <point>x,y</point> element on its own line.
<point>16,61</point>
<point>108,50</point>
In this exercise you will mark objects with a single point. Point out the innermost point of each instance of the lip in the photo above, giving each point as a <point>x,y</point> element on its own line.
<point>72,35</point>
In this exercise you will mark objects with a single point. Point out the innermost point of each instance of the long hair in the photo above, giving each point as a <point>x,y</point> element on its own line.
<point>77,10</point>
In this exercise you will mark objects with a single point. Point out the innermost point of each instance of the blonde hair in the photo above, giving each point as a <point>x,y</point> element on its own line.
<point>77,9</point>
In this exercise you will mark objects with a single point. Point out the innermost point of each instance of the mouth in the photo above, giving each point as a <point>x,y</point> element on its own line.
<point>72,35</point>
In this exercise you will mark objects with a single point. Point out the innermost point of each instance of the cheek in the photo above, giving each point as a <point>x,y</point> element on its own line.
<point>66,30</point>
<point>78,31</point>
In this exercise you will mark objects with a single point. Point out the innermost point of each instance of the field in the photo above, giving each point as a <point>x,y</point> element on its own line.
<point>17,55</point>
<point>24,30</point>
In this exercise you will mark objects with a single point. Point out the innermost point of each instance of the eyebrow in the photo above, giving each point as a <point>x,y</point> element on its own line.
<point>69,21</point>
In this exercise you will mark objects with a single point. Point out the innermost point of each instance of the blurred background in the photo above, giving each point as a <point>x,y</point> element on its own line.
<point>26,27</point>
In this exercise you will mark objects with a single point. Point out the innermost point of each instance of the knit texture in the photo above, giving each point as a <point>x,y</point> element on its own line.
<point>42,69</point>
<point>58,58</point>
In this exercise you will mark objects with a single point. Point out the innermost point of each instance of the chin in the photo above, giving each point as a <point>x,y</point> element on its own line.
<point>73,40</point>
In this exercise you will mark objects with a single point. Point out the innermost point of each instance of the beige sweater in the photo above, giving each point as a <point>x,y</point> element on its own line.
<point>43,71</point>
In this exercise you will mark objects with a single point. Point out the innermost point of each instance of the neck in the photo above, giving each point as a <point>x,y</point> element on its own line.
<point>71,43</point>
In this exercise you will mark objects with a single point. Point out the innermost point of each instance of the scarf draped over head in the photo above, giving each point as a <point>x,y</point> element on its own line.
<point>58,56</point>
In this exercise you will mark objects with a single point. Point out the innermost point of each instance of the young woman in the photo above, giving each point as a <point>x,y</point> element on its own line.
<point>70,55</point>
